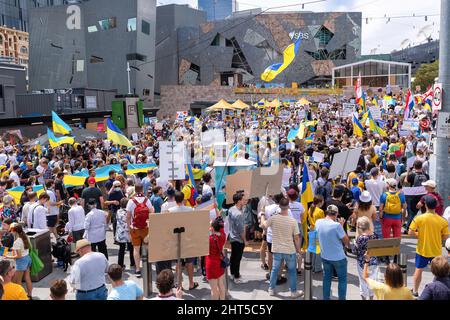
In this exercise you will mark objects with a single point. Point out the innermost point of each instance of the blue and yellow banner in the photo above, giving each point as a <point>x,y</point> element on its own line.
<point>17,192</point>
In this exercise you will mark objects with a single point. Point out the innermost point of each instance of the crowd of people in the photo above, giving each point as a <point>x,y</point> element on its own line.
<point>369,201</point>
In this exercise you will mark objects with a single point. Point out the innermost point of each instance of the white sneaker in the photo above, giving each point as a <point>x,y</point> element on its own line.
<point>231,277</point>
<point>239,280</point>
<point>297,294</point>
<point>271,292</point>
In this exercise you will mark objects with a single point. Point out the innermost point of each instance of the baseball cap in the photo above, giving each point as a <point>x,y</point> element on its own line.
<point>29,163</point>
<point>429,183</point>
<point>326,165</point>
<point>392,182</point>
<point>430,202</point>
<point>355,180</point>
<point>81,244</point>
<point>91,180</point>
<point>292,193</point>
<point>332,208</point>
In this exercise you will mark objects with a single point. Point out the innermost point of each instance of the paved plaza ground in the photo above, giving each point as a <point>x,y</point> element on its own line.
<point>256,286</point>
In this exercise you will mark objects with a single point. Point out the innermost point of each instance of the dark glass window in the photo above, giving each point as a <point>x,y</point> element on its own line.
<point>136,56</point>
<point>145,27</point>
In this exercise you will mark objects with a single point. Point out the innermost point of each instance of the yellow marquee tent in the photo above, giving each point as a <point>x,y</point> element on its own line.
<point>303,102</point>
<point>240,105</point>
<point>221,105</point>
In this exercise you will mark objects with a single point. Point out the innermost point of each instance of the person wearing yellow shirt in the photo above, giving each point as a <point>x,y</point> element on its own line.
<point>430,229</point>
<point>315,213</point>
<point>11,291</point>
<point>393,288</point>
<point>189,193</point>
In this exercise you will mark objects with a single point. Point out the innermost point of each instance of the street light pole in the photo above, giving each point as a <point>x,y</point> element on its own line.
<point>128,73</point>
<point>443,144</point>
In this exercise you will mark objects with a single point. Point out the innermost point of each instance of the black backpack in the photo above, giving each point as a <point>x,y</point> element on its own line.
<point>322,190</point>
<point>61,250</point>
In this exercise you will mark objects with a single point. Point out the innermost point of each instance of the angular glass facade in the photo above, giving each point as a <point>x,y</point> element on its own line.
<point>216,9</point>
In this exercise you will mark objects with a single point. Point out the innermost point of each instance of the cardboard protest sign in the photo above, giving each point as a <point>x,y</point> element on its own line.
<point>376,112</point>
<point>158,126</point>
<point>163,242</point>
<point>411,125</point>
<point>344,162</point>
<point>383,247</point>
<point>262,182</point>
<point>241,180</point>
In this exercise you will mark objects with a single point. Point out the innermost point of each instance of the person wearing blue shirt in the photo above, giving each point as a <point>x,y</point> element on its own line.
<point>356,191</point>
<point>147,182</point>
<point>156,199</point>
<point>331,236</point>
<point>122,290</point>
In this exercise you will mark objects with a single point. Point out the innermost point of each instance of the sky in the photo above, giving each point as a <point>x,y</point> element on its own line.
<point>378,36</point>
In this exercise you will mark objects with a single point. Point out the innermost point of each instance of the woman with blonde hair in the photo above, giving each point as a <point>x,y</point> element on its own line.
<point>21,249</point>
<point>315,213</point>
<point>363,226</point>
<point>9,209</point>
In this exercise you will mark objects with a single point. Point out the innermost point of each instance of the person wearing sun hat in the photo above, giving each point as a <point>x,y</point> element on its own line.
<point>88,273</point>
<point>430,186</point>
<point>365,208</point>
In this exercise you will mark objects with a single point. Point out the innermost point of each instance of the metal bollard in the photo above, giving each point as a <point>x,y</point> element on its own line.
<point>403,263</point>
<point>308,276</point>
<point>146,273</point>
<point>227,295</point>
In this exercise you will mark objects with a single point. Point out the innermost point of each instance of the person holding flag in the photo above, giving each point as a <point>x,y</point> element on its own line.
<point>59,126</point>
<point>115,135</point>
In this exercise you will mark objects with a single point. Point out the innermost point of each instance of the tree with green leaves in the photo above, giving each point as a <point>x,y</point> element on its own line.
<point>426,74</point>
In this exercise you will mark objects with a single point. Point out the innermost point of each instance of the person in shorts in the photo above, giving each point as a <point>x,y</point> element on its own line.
<point>430,229</point>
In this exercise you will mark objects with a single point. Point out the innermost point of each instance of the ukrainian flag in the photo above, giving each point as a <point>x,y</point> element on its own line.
<point>56,142</point>
<point>375,128</point>
<point>190,174</point>
<point>358,129</point>
<point>17,192</point>
<point>297,133</point>
<point>115,135</point>
<point>288,56</point>
<point>59,126</point>
<point>306,197</point>
<point>310,139</point>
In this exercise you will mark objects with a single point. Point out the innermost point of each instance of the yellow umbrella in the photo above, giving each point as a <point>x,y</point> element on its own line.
<point>221,105</point>
<point>303,102</point>
<point>274,104</point>
<point>240,105</point>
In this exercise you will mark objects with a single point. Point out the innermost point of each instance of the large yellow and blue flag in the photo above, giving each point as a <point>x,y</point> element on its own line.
<point>115,135</point>
<point>310,139</point>
<point>17,192</point>
<point>59,126</point>
<point>289,55</point>
<point>306,197</point>
<point>300,133</point>
<point>358,129</point>
<point>56,142</point>
<point>374,127</point>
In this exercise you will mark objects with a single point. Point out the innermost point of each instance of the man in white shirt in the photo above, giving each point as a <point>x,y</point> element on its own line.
<point>170,203</point>
<point>37,216</point>
<point>53,212</point>
<point>14,176</point>
<point>75,225</point>
<point>297,211</point>
<point>179,204</point>
<point>95,227</point>
<point>87,274</point>
<point>376,186</point>
<point>32,197</point>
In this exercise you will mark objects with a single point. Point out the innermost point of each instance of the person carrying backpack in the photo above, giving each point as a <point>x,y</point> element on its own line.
<point>322,186</point>
<point>392,210</point>
<point>415,179</point>
<point>190,193</point>
<point>138,210</point>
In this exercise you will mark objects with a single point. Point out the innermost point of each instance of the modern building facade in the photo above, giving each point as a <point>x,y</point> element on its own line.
<point>236,51</point>
<point>80,46</point>
<point>15,13</point>
<point>12,82</point>
<point>217,9</point>
<point>14,46</point>
<point>418,55</point>
<point>374,74</point>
